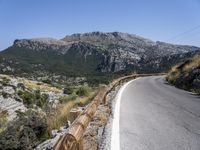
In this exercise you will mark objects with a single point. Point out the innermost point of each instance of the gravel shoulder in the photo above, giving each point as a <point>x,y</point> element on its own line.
<point>98,133</point>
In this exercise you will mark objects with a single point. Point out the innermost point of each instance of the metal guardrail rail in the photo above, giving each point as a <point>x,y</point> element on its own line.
<point>72,139</point>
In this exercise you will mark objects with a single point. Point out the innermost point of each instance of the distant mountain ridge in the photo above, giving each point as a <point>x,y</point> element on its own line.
<point>92,53</point>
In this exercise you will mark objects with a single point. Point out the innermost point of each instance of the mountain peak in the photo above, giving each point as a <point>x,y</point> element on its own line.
<point>109,38</point>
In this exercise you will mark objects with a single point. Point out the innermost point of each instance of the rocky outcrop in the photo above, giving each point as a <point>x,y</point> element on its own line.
<point>11,106</point>
<point>11,102</point>
<point>39,44</point>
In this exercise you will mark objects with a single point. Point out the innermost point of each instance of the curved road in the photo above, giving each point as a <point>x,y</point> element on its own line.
<point>157,116</point>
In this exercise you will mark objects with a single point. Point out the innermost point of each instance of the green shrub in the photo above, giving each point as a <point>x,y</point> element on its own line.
<point>82,91</point>
<point>27,113</point>
<point>28,97</point>
<point>48,81</point>
<point>37,94</point>
<point>39,83</point>
<point>24,133</point>
<point>43,101</point>
<point>57,85</point>
<point>36,98</point>
<point>68,90</point>
<point>66,99</point>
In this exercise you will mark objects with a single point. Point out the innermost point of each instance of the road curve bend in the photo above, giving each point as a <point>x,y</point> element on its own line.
<point>157,116</point>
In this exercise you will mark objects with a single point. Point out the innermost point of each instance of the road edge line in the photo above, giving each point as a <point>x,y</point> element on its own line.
<point>115,139</point>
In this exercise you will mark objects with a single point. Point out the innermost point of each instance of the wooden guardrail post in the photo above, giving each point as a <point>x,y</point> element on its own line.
<point>105,99</point>
<point>80,144</point>
<point>74,113</point>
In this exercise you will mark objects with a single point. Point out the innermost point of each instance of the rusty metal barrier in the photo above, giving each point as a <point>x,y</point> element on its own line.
<point>72,140</point>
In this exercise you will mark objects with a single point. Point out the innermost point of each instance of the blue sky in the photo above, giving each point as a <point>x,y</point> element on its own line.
<point>154,19</point>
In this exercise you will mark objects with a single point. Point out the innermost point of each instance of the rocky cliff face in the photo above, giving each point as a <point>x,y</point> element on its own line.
<point>40,44</point>
<point>92,53</point>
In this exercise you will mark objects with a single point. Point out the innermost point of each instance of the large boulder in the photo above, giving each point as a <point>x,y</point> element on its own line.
<point>8,90</point>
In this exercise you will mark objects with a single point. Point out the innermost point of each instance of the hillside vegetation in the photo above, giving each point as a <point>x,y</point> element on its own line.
<point>186,75</point>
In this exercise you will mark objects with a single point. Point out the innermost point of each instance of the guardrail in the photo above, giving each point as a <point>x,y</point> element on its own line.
<point>72,139</point>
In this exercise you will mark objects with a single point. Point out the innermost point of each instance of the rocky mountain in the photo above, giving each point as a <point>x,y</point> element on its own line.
<point>91,54</point>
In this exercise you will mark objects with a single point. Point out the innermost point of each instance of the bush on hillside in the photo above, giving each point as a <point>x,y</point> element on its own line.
<point>28,97</point>
<point>48,81</point>
<point>65,99</point>
<point>83,91</point>
<point>36,98</point>
<point>24,133</point>
<point>68,90</point>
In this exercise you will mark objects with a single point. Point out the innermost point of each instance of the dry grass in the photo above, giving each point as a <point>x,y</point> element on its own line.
<point>173,74</point>
<point>3,119</point>
<point>60,117</point>
<point>5,76</point>
<point>184,68</point>
<point>193,64</point>
<point>32,85</point>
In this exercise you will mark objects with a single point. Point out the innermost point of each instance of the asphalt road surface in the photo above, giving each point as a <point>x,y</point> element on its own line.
<point>157,116</point>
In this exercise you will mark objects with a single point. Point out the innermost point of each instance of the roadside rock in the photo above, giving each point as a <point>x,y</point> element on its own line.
<point>11,105</point>
<point>56,134</point>
<point>21,86</point>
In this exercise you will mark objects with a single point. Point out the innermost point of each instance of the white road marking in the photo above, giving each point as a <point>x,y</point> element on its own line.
<point>115,140</point>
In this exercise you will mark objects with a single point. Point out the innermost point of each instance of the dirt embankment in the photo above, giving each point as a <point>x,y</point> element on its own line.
<point>186,75</point>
